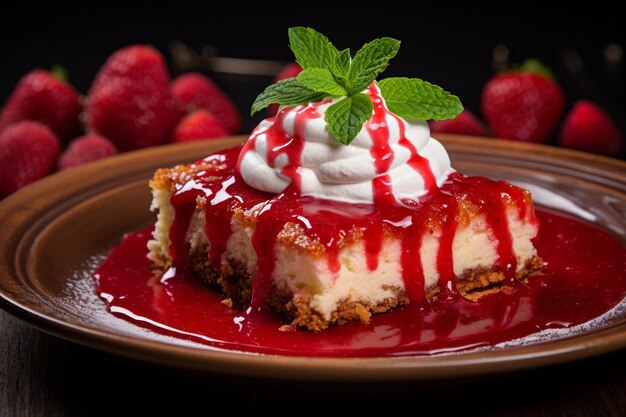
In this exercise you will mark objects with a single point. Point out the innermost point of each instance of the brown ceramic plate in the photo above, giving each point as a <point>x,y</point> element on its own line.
<point>54,232</point>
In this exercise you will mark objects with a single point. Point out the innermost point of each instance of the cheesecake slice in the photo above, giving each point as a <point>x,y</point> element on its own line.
<point>320,263</point>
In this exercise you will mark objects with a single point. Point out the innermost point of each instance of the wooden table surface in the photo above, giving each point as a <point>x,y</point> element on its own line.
<point>42,375</point>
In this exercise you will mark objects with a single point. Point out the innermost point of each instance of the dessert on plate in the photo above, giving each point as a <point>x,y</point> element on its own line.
<point>342,205</point>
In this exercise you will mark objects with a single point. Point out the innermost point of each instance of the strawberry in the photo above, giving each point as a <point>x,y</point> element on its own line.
<point>588,128</point>
<point>28,152</point>
<point>197,126</point>
<point>464,124</point>
<point>289,71</point>
<point>129,101</point>
<point>42,97</point>
<point>196,91</point>
<point>524,104</point>
<point>86,149</point>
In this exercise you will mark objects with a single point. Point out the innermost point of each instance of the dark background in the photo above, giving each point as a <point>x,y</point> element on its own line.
<point>450,45</point>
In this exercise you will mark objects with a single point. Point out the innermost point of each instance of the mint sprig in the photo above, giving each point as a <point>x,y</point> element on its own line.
<point>321,79</point>
<point>289,92</point>
<point>346,117</point>
<point>311,48</point>
<point>413,98</point>
<point>341,66</point>
<point>330,73</point>
<point>371,60</point>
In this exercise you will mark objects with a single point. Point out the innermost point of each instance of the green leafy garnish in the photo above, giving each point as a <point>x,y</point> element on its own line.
<point>289,92</point>
<point>371,60</point>
<point>345,118</point>
<point>321,79</point>
<point>413,98</point>
<point>311,48</point>
<point>341,66</point>
<point>329,73</point>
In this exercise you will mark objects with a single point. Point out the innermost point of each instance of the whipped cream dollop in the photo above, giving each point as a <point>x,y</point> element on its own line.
<point>388,152</point>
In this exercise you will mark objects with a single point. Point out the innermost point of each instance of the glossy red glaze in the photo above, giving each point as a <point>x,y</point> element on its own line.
<point>584,276</point>
<point>223,191</point>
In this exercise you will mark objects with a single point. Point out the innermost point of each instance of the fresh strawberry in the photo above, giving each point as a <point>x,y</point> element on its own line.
<point>524,104</point>
<point>196,91</point>
<point>289,71</point>
<point>464,124</point>
<point>129,101</point>
<point>28,152</point>
<point>85,149</point>
<point>42,97</point>
<point>197,126</point>
<point>588,128</point>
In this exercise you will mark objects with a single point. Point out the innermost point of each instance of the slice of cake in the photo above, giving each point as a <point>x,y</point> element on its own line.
<point>342,205</point>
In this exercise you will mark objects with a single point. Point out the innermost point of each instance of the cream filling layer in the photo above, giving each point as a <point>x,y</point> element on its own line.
<point>298,271</point>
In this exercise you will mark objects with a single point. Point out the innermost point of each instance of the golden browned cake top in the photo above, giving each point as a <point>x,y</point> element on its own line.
<point>297,237</point>
<point>170,178</point>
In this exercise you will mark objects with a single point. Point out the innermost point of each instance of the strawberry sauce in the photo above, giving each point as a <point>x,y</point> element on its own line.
<point>584,276</point>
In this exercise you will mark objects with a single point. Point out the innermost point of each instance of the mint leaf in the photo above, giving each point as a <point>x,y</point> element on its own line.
<point>371,60</point>
<point>311,48</point>
<point>413,98</point>
<point>341,66</point>
<point>346,117</point>
<point>287,92</point>
<point>328,72</point>
<point>321,79</point>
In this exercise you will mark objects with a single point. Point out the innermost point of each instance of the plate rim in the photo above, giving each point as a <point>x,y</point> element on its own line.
<point>602,340</point>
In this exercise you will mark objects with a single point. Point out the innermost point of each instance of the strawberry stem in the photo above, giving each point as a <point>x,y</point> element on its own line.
<point>536,66</point>
<point>59,72</point>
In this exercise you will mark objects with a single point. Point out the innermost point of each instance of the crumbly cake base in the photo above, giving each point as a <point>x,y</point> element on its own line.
<point>297,309</point>
<point>235,283</point>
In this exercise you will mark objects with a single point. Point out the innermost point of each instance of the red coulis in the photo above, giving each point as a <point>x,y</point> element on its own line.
<point>583,278</point>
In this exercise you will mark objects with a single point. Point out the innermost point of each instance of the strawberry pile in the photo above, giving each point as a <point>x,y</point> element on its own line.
<point>45,125</point>
<point>133,104</point>
<point>527,104</point>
